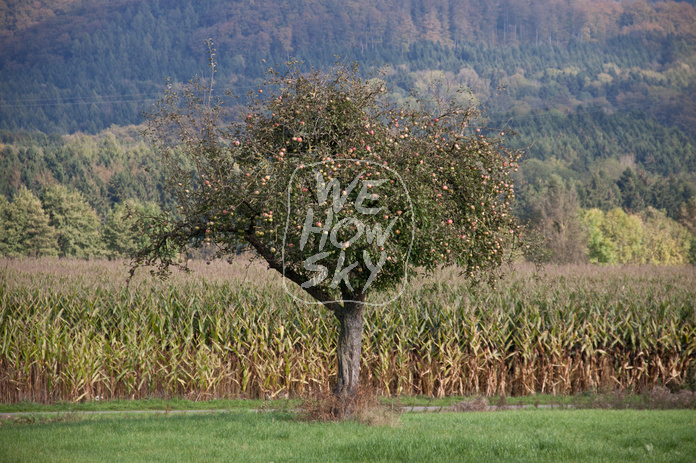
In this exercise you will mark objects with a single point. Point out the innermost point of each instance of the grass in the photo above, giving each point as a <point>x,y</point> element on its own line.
<point>537,435</point>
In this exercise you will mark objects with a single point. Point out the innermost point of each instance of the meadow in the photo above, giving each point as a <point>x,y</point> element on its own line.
<point>77,331</point>
<point>535,435</point>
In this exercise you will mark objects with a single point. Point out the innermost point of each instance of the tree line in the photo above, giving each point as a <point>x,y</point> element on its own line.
<point>60,222</point>
<point>567,232</point>
<point>71,195</point>
<point>75,196</point>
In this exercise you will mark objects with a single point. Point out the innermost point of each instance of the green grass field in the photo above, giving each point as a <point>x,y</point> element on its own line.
<point>535,435</point>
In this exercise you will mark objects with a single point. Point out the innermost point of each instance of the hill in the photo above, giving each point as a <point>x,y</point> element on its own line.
<point>601,92</point>
<point>75,65</point>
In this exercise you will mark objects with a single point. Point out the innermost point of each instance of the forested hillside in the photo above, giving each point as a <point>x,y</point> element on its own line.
<point>68,66</point>
<point>601,92</point>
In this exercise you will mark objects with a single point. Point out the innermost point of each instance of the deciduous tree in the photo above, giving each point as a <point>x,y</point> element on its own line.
<point>335,188</point>
<point>558,218</point>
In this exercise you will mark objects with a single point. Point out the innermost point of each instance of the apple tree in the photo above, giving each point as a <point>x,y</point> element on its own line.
<point>333,186</point>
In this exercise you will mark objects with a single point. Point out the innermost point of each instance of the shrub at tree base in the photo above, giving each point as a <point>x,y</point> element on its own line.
<point>362,406</point>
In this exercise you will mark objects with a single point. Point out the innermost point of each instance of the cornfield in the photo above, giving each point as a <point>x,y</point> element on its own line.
<point>74,330</point>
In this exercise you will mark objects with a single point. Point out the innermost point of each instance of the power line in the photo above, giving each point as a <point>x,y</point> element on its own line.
<point>552,113</point>
<point>102,98</point>
<point>137,98</point>
<point>546,115</point>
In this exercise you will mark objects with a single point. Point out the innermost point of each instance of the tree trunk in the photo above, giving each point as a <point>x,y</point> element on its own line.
<point>350,320</point>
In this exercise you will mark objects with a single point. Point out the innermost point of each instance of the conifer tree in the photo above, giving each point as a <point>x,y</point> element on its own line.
<point>75,222</point>
<point>27,228</point>
<point>7,239</point>
<point>123,235</point>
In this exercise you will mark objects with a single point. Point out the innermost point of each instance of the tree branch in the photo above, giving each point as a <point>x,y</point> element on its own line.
<point>276,264</point>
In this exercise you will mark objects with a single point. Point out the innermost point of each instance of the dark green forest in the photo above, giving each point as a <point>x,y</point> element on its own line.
<point>77,65</point>
<point>601,93</point>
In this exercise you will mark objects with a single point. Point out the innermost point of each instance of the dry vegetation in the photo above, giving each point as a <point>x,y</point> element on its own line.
<point>73,330</point>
